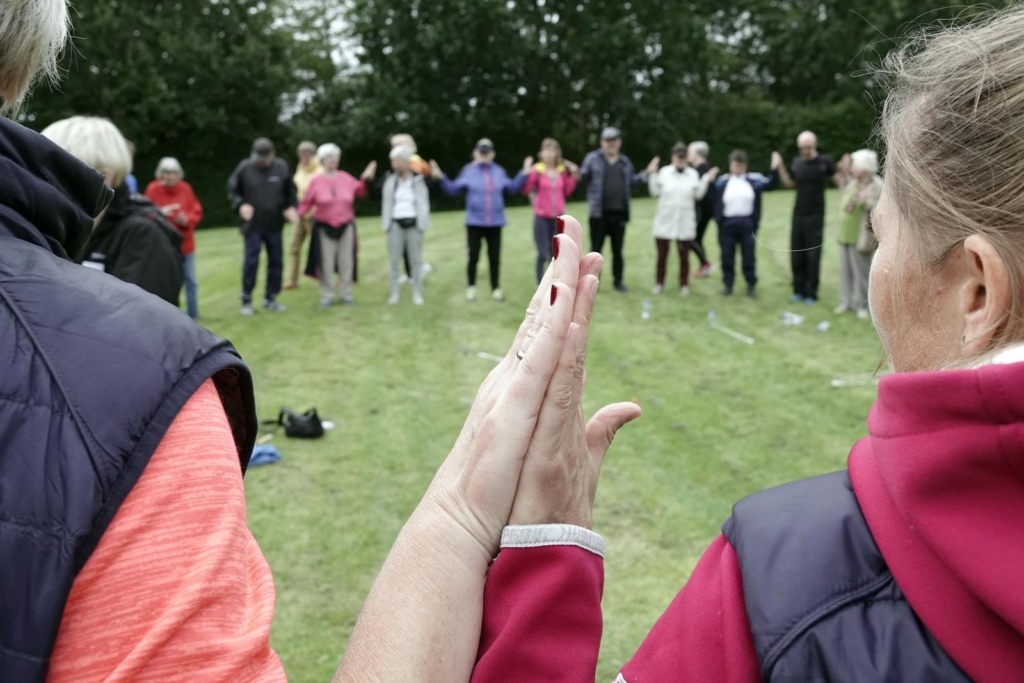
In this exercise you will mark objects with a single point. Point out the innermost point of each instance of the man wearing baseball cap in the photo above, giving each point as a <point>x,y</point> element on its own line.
<point>610,177</point>
<point>262,191</point>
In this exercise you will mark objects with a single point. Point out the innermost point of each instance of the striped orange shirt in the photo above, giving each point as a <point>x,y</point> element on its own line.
<point>177,589</point>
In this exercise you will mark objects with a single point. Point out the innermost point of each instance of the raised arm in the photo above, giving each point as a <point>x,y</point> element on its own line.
<point>706,181</point>
<point>452,188</point>
<point>779,167</point>
<point>654,184</point>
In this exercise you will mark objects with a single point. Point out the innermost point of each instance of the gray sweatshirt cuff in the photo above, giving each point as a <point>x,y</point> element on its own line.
<point>540,535</point>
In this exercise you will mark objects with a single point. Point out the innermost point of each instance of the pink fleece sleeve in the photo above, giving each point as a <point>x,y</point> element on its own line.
<point>542,622</point>
<point>531,183</point>
<point>704,634</point>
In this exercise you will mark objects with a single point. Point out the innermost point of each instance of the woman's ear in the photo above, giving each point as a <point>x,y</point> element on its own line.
<point>986,293</point>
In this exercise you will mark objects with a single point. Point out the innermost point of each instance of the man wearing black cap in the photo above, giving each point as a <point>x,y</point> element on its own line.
<point>610,177</point>
<point>262,191</point>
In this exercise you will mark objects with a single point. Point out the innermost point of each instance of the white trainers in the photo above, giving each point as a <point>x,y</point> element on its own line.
<point>393,299</point>
<point>417,299</point>
<point>404,280</point>
<point>247,309</point>
<point>471,294</point>
<point>684,291</point>
<point>864,314</point>
<point>425,270</point>
<point>497,296</point>
<point>840,310</point>
<point>658,289</point>
<point>274,306</point>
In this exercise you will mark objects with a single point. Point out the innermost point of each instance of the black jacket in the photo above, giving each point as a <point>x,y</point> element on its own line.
<point>95,372</point>
<point>270,191</point>
<point>136,244</point>
<point>821,601</point>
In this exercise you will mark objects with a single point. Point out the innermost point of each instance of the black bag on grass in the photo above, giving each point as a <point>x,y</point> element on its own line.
<point>305,426</point>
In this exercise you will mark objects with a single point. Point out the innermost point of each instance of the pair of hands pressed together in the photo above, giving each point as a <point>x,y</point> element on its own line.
<point>525,456</point>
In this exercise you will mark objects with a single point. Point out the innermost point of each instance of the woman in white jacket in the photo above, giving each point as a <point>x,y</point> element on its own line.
<point>678,188</point>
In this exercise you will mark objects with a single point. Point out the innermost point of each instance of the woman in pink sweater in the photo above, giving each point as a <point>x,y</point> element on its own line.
<point>903,567</point>
<point>551,182</point>
<point>333,194</point>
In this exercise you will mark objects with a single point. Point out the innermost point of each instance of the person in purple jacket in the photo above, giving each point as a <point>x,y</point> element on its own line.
<point>484,183</point>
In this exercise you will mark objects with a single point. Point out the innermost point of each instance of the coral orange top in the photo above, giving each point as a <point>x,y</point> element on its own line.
<point>177,589</point>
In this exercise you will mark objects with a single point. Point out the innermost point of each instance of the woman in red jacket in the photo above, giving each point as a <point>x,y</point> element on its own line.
<point>182,208</point>
<point>904,567</point>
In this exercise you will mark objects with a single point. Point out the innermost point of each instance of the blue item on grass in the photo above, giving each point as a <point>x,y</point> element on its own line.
<point>264,454</point>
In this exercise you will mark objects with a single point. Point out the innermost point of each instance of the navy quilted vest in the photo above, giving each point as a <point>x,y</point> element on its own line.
<point>93,373</point>
<point>820,599</point>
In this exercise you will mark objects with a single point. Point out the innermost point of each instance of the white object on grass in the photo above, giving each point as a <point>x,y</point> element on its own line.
<point>790,319</point>
<point>855,380</point>
<point>713,320</point>
<point>327,424</point>
<point>824,325</point>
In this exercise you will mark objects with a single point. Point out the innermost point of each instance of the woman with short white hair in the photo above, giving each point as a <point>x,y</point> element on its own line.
<point>131,240</point>
<point>861,191</point>
<point>179,205</point>
<point>332,194</point>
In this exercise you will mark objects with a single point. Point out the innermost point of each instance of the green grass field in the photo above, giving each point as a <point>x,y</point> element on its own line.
<point>721,419</point>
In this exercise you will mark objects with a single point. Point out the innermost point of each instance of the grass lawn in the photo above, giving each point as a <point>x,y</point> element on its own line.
<point>721,419</point>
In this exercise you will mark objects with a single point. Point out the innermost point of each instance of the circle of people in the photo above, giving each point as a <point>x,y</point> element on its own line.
<point>318,200</point>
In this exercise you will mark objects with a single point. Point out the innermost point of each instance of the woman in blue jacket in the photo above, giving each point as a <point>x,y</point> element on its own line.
<point>484,183</point>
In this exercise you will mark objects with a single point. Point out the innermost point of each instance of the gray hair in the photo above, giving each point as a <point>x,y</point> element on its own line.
<point>32,35</point>
<point>328,149</point>
<point>700,147</point>
<point>171,165</point>
<point>866,160</point>
<point>401,152</point>
<point>94,141</point>
<point>953,127</point>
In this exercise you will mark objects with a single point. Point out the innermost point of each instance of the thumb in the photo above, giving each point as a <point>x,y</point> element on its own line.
<point>606,423</point>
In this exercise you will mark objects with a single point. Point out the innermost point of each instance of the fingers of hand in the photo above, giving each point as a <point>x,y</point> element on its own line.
<point>605,424</point>
<point>585,298</point>
<point>522,399</point>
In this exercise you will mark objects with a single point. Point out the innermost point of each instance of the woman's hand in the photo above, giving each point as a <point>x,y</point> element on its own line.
<point>435,170</point>
<point>652,167</point>
<point>527,164</point>
<point>559,476</point>
<point>477,484</point>
<point>572,168</point>
<point>370,171</point>
<point>713,173</point>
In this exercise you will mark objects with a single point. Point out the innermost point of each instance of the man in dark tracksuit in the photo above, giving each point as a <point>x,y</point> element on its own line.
<point>810,174</point>
<point>610,177</point>
<point>263,192</point>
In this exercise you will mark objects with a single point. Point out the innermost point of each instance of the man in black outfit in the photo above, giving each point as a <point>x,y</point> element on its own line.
<point>697,157</point>
<point>810,173</point>
<point>262,191</point>
<point>610,177</point>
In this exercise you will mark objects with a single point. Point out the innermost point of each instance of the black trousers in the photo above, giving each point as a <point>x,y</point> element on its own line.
<point>254,242</point>
<point>612,225</point>
<point>806,246</point>
<point>704,217</point>
<point>733,232</point>
<point>475,236</point>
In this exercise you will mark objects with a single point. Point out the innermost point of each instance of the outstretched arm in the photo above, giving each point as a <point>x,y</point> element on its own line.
<point>779,167</point>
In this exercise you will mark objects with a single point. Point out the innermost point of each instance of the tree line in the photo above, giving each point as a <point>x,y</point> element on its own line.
<point>200,79</point>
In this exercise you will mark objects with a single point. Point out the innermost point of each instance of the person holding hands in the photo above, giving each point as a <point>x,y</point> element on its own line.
<point>332,194</point>
<point>550,181</point>
<point>484,183</point>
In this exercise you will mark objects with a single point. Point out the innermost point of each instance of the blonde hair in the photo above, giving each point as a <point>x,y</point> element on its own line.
<point>94,141</point>
<point>404,140</point>
<point>551,142</point>
<point>32,35</point>
<point>866,160</point>
<point>953,125</point>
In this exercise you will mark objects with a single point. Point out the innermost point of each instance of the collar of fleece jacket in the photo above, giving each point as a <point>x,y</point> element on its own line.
<point>941,483</point>
<point>47,196</point>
